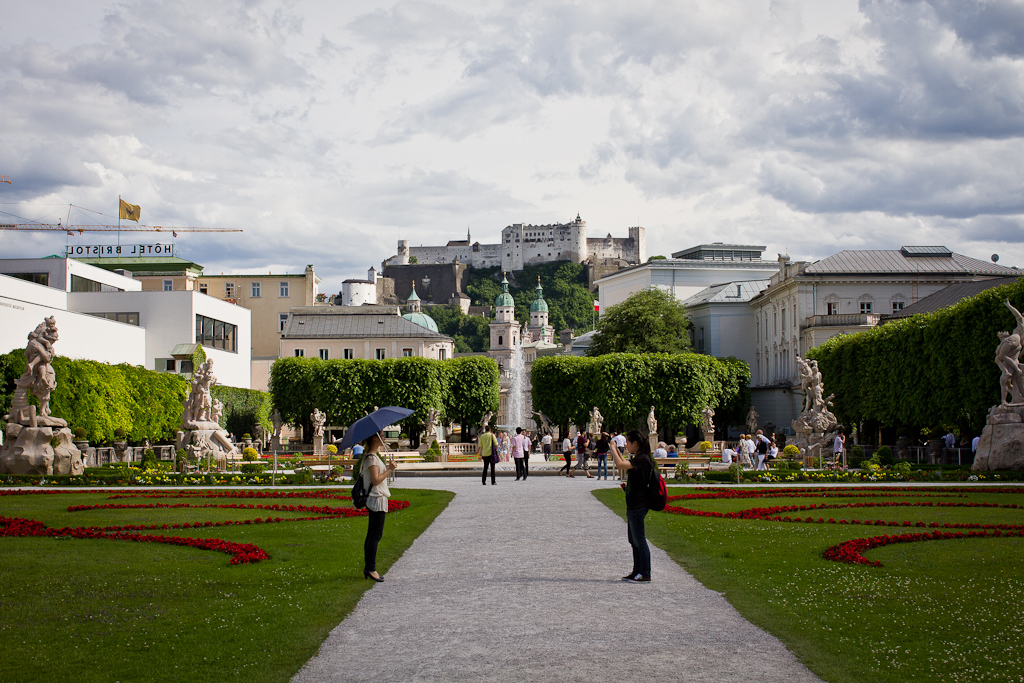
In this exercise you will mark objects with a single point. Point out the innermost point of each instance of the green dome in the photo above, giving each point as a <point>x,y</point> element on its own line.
<point>504,299</point>
<point>422,319</point>
<point>539,305</point>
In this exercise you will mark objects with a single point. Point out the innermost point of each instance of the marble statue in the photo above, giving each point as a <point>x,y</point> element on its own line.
<point>1001,445</point>
<point>319,419</point>
<point>278,423</point>
<point>752,420</point>
<point>652,422</point>
<point>67,458</point>
<point>432,415</point>
<point>201,434</point>
<point>27,447</point>
<point>486,420</point>
<point>596,422</point>
<point>708,426</point>
<point>816,424</point>
<point>547,427</point>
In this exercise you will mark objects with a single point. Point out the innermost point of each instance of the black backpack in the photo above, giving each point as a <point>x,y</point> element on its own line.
<point>359,492</point>
<point>657,493</point>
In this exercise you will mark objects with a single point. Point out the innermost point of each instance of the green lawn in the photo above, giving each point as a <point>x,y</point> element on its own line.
<point>101,610</point>
<point>937,610</point>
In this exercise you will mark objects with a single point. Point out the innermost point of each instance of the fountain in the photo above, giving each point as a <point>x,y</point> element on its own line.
<point>516,397</point>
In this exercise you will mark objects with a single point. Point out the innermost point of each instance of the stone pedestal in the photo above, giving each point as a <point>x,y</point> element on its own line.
<point>318,446</point>
<point>1002,441</point>
<point>652,438</point>
<point>709,437</point>
<point>27,450</point>
<point>67,457</point>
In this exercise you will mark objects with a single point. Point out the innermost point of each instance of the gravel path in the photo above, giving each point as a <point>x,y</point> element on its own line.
<point>520,582</point>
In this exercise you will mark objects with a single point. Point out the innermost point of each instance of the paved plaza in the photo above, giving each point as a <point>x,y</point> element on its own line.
<point>520,582</point>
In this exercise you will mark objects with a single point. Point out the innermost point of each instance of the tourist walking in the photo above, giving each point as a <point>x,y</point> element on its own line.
<point>582,451</point>
<point>375,479</point>
<point>527,447</point>
<point>761,444</point>
<point>545,443</point>
<point>837,449</point>
<point>639,473</point>
<point>601,451</point>
<point>487,449</point>
<point>517,453</point>
<point>567,454</point>
<point>505,446</point>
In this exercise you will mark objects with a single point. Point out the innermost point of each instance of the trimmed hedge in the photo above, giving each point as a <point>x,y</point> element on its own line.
<point>463,389</point>
<point>624,386</point>
<point>933,369</point>
<point>243,409</point>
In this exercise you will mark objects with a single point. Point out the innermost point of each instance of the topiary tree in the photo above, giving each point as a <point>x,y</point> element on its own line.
<point>650,321</point>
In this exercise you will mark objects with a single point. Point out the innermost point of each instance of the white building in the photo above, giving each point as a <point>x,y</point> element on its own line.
<point>523,244</point>
<point>805,304</point>
<point>105,316</point>
<point>361,332</point>
<point>687,272</point>
<point>721,319</point>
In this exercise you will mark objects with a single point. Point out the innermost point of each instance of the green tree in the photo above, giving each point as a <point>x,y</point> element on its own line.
<point>650,321</point>
<point>470,332</point>
<point>472,390</point>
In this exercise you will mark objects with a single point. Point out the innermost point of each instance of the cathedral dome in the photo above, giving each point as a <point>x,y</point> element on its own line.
<point>504,299</point>
<point>422,319</point>
<point>539,305</point>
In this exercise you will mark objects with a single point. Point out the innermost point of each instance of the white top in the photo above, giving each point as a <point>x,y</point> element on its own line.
<point>727,454</point>
<point>379,494</point>
<point>974,443</point>
<point>566,444</point>
<point>837,445</point>
<point>620,441</point>
<point>546,439</point>
<point>660,452</point>
<point>774,451</point>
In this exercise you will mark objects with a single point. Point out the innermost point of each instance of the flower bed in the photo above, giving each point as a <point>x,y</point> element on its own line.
<point>241,553</point>
<point>852,551</point>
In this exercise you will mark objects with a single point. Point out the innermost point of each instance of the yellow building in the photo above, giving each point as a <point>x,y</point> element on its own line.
<point>269,297</point>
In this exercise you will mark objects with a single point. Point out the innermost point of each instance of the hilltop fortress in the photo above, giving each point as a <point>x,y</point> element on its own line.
<point>524,245</point>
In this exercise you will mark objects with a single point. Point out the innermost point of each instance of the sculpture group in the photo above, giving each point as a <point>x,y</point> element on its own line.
<point>28,439</point>
<point>816,423</point>
<point>201,435</point>
<point>1002,440</point>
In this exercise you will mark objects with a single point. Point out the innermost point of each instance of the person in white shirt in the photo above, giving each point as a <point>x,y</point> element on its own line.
<point>974,444</point>
<point>950,440</point>
<point>620,441</point>
<point>545,443</point>
<point>375,479</point>
<point>567,454</point>
<point>727,456</point>
<point>660,451</point>
<point>837,447</point>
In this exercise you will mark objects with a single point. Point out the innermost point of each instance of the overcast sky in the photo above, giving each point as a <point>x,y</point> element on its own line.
<point>329,130</point>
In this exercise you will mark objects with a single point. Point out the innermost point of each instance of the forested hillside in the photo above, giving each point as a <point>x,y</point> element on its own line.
<point>570,303</point>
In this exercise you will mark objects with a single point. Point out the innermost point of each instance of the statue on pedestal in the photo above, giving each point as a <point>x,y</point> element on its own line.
<point>432,415</point>
<point>652,422</point>
<point>708,425</point>
<point>319,419</point>
<point>27,445</point>
<point>752,420</point>
<point>816,423</point>
<point>1002,440</point>
<point>596,422</point>
<point>201,434</point>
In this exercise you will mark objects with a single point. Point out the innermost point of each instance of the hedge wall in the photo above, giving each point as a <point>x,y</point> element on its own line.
<point>931,370</point>
<point>463,389</point>
<point>101,397</point>
<point>624,386</point>
<point>145,403</point>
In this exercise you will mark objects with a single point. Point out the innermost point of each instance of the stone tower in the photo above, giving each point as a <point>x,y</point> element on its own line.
<point>578,240</point>
<point>504,328</point>
<point>539,328</point>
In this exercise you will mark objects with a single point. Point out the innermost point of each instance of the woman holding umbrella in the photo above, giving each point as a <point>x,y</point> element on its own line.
<point>375,479</point>
<point>375,475</point>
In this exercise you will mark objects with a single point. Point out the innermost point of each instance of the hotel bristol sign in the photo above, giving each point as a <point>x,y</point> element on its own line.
<point>118,251</point>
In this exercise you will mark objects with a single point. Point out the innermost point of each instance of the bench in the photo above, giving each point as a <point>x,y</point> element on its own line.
<point>696,463</point>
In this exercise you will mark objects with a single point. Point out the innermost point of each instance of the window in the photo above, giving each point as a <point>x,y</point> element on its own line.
<point>284,290</point>
<point>897,306</point>
<point>832,308</point>
<point>700,339</point>
<point>865,306</point>
<point>406,353</point>
<point>381,354</point>
<point>216,334</point>
<point>38,278</point>
<point>325,354</point>
<point>168,285</point>
<point>783,319</point>
<point>442,354</point>
<point>299,353</point>
<point>349,354</point>
<point>229,290</point>
<point>203,288</point>
<point>255,290</point>
<point>165,364</point>
<point>127,318</point>
<point>84,284</point>
<point>185,367</point>
<point>282,320</point>
<point>501,340</point>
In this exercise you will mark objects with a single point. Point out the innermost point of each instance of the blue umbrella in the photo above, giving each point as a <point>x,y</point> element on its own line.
<point>365,427</point>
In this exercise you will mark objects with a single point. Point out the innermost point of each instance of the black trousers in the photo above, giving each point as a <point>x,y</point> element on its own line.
<point>526,466</point>
<point>520,468</point>
<point>488,462</point>
<point>374,532</point>
<point>568,461</point>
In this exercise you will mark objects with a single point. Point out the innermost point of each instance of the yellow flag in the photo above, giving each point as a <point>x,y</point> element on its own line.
<point>130,212</point>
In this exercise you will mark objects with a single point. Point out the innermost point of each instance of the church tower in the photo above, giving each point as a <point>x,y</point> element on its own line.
<point>539,328</point>
<point>504,328</point>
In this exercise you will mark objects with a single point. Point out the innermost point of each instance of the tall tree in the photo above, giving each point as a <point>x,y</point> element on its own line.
<point>650,321</point>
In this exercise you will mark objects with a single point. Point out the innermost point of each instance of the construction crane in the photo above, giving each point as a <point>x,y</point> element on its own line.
<point>47,227</point>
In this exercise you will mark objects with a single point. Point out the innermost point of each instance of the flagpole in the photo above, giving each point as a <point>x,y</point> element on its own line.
<point>118,221</point>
